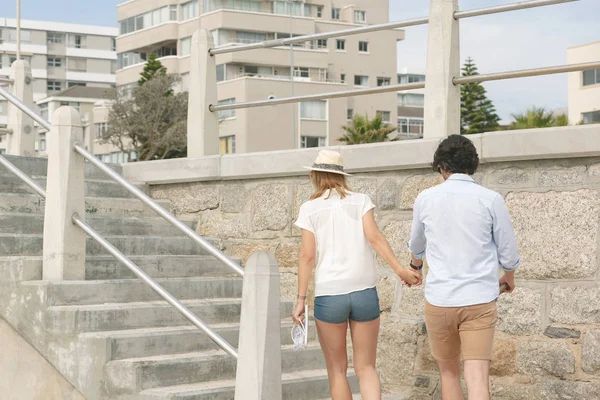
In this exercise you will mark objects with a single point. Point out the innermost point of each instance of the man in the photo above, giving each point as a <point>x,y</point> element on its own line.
<point>466,232</point>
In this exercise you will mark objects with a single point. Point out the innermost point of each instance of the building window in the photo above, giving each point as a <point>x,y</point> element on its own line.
<point>54,37</point>
<point>360,16</point>
<point>227,113</point>
<point>173,14</point>
<point>411,78</point>
<point>53,86</point>
<point>44,111</point>
<point>186,46</point>
<point>54,62</point>
<point>335,13</point>
<point>340,44</point>
<point>77,41</point>
<point>189,10</point>
<point>77,64</point>
<point>301,72</point>
<point>591,117</point>
<point>591,77</point>
<point>148,19</point>
<point>113,46</point>
<point>221,71</point>
<point>312,141</point>
<point>343,78</point>
<point>361,80</point>
<point>71,84</point>
<point>314,110</point>
<point>25,36</point>
<point>363,47</point>
<point>411,100</point>
<point>349,114</point>
<point>320,12</point>
<point>322,44</point>
<point>381,81</point>
<point>113,67</point>
<point>385,116</point>
<point>295,8</point>
<point>101,129</point>
<point>250,37</point>
<point>410,126</point>
<point>73,104</point>
<point>227,144</point>
<point>42,144</point>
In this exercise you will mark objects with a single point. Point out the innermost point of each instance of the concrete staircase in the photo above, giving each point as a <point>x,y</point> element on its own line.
<point>110,335</point>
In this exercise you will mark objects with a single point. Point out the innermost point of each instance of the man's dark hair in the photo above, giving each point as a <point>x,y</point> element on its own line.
<point>456,154</point>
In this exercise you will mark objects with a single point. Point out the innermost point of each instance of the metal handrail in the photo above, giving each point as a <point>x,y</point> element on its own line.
<point>385,26</point>
<point>133,190</point>
<point>160,210</point>
<point>6,80</point>
<point>169,298</point>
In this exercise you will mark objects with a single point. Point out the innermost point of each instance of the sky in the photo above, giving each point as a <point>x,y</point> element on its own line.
<point>501,42</point>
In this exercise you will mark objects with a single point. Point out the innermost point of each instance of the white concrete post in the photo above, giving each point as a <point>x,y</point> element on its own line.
<point>22,140</point>
<point>202,124</point>
<point>442,97</point>
<point>258,374</point>
<point>64,243</point>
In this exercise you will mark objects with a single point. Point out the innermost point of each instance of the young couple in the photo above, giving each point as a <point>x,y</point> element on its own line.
<point>465,231</point>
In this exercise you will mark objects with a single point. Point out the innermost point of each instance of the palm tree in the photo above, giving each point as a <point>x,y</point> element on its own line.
<point>363,130</point>
<point>538,118</point>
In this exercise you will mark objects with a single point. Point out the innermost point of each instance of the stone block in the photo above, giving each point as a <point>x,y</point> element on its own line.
<point>504,358</point>
<point>519,313</point>
<point>561,390</point>
<point>575,305</point>
<point>425,363</point>
<point>235,199</point>
<point>287,255</point>
<point>188,198</point>
<point>545,358</point>
<point>590,358</point>
<point>594,170</point>
<point>386,289</point>
<point>388,195</point>
<point>415,185</point>
<point>557,233</point>
<point>512,177</point>
<point>270,208</point>
<point>563,177</point>
<point>510,391</point>
<point>410,301</point>
<point>243,251</point>
<point>366,186</point>
<point>555,332</point>
<point>225,226</point>
<point>397,349</point>
<point>397,232</point>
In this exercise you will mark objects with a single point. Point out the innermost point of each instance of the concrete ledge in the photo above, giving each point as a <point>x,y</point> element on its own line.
<point>531,144</point>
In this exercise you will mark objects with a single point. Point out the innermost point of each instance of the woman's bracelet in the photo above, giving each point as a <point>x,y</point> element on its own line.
<point>301,297</point>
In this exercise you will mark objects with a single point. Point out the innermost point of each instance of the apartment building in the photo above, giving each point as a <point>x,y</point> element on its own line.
<point>165,27</point>
<point>60,55</point>
<point>584,87</point>
<point>411,104</point>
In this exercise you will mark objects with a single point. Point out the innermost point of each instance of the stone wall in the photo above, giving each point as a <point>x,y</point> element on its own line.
<point>548,341</point>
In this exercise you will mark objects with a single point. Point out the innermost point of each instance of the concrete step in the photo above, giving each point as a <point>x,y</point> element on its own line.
<point>117,316</point>
<point>31,224</point>
<point>31,245</point>
<point>34,204</point>
<point>34,166</point>
<point>93,188</point>
<point>301,385</point>
<point>126,290</point>
<point>148,342</point>
<point>169,266</point>
<point>137,374</point>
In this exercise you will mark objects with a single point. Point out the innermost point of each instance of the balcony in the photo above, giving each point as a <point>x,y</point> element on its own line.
<point>168,31</point>
<point>304,55</point>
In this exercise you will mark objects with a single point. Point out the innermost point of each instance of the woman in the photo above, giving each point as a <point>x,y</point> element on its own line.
<point>339,233</point>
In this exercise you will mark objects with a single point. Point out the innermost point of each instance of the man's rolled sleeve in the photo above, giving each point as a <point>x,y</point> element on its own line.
<point>417,243</point>
<point>504,236</point>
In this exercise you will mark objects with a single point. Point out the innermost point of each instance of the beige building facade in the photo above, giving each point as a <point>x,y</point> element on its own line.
<point>584,87</point>
<point>165,27</point>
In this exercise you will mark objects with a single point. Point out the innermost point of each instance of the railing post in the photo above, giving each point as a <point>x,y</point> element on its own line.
<point>22,140</point>
<point>258,374</point>
<point>64,243</point>
<point>202,124</point>
<point>442,97</point>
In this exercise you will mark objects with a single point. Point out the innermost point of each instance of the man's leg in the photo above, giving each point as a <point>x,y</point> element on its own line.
<point>478,379</point>
<point>450,378</point>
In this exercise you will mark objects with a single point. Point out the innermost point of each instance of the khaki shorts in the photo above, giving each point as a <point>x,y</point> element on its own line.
<point>470,328</point>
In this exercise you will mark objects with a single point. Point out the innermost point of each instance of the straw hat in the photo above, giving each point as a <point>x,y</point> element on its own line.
<point>329,161</point>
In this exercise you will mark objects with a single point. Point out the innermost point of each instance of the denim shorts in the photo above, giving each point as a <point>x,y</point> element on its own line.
<point>362,306</point>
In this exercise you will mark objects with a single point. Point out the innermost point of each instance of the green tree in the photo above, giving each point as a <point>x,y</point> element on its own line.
<point>154,126</point>
<point>364,130</point>
<point>152,69</point>
<point>538,118</point>
<point>478,113</point>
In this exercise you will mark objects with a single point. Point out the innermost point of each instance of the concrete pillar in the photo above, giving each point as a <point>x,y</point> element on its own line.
<point>64,243</point>
<point>258,374</point>
<point>202,124</point>
<point>442,97</point>
<point>22,140</point>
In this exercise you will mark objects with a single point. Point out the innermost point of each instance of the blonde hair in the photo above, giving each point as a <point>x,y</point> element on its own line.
<point>323,181</point>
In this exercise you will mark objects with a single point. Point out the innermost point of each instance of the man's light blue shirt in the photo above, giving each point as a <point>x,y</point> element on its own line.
<point>466,231</point>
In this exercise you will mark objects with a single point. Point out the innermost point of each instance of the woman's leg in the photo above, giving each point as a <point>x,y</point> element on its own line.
<point>333,344</point>
<point>364,341</point>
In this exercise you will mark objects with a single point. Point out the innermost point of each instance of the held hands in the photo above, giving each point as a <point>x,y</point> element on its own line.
<point>410,277</point>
